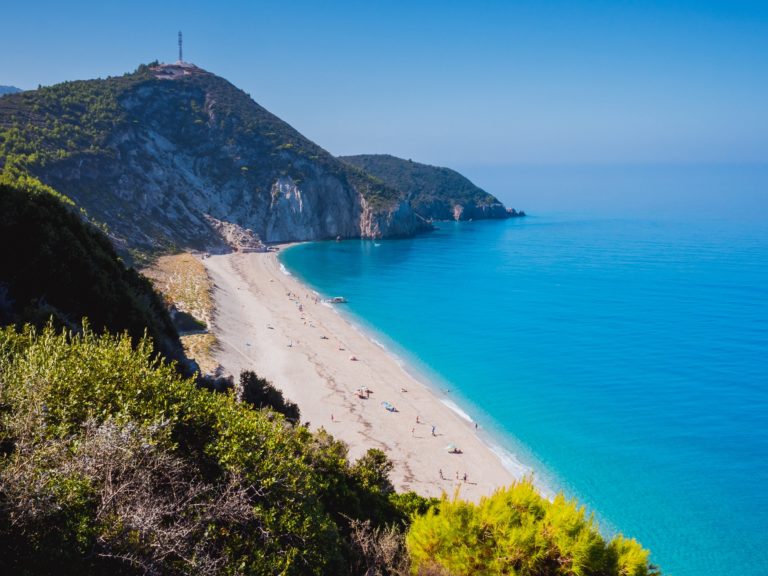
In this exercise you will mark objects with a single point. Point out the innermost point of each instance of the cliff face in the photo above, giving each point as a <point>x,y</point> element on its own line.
<point>434,193</point>
<point>396,222</point>
<point>158,155</point>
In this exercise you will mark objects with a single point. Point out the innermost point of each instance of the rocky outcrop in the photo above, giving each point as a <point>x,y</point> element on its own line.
<point>472,211</point>
<point>399,221</point>
<point>236,237</point>
<point>322,207</point>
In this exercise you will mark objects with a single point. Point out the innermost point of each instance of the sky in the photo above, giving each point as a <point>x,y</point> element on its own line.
<point>454,83</point>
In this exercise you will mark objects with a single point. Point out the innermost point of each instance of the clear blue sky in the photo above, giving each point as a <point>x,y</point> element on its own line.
<point>445,82</point>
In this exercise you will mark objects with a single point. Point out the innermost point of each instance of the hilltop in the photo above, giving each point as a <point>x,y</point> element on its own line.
<point>433,192</point>
<point>172,157</point>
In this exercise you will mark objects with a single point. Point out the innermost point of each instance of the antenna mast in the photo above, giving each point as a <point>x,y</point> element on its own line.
<point>180,58</point>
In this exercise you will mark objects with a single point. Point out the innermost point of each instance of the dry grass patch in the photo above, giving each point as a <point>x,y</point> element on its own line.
<point>201,347</point>
<point>184,282</point>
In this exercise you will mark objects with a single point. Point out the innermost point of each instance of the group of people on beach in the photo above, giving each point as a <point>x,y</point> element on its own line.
<point>463,478</point>
<point>296,299</point>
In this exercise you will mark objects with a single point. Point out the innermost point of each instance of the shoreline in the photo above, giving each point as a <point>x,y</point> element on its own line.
<point>268,321</point>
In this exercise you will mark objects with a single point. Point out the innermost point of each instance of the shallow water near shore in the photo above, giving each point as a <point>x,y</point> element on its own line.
<point>621,358</point>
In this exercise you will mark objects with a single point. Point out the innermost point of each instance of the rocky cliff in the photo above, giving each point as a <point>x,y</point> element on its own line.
<point>434,193</point>
<point>159,155</point>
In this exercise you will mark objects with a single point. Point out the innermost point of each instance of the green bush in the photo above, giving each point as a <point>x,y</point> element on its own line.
<point>260,393</point>
<point>517,531</point>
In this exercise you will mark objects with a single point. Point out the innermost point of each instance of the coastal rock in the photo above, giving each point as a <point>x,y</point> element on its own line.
<point>321,208</point>
<point>236,237</point>
<point>398,221</point>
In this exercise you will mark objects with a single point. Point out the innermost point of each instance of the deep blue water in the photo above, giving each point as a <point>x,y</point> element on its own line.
<point>624,359</point>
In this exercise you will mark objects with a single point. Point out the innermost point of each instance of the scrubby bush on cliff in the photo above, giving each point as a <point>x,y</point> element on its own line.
<point>517,531</point>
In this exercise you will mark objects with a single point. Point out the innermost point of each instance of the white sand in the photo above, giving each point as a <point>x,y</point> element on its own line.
<point>262,328</point>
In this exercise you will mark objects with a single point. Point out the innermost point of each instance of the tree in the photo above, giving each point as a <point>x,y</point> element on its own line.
<point>372,470</point>
<point>517,531</point>
<point>260,393</point>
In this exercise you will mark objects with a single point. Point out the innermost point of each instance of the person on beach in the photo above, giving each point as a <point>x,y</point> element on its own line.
<point>433,430</point>
<point>465,476</point>
<point>417,419</point>
<point>441,474</point>
<point>413,431</point>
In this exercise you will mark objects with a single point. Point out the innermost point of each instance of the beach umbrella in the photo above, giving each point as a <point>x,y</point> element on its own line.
<point>452,448</point>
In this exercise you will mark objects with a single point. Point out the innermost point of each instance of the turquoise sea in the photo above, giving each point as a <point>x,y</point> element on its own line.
<point>621,354</point>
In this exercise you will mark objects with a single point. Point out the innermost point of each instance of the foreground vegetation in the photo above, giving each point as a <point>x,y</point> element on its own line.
<point>517,531</point>
<point>53,264</point>
<point>113,462</point>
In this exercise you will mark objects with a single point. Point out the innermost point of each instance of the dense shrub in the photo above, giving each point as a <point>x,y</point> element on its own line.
<point>110,462</point>
<point>260,393</point>
<point>113,462</point>
<point>517,531</point>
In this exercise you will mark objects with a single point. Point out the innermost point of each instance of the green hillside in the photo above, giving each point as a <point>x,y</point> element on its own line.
<point>54,265</point>
<point>9,90</point>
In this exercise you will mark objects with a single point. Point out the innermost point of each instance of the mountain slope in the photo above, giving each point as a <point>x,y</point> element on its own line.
<point>433,192</point>
<point>164,155</point>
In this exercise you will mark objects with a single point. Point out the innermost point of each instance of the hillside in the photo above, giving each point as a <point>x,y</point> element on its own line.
<point>434,193</point>
<point>9,90</point>
<point>169,156</point>
<point>65,269</point>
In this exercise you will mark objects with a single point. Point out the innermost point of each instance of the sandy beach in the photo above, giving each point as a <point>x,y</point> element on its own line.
<point>268,322</point>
